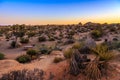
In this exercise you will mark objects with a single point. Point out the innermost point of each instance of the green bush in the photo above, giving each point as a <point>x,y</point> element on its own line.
<point>42,39</point>
<point>113,45</point>
<point>23,59</point>
<point>32,52</point>
<point>24,40</point>
<point>13,44</point>
<point>57,59</point>
<point>96,34</point>
<point>31,34</point>
<point>19,33</point>
<point>45,50</point>
<point>2,56</point>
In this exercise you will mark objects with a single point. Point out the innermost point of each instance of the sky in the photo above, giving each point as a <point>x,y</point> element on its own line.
<point>37,12</point>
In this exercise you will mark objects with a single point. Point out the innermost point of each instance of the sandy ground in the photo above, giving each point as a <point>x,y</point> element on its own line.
<point>45,63</point>
<point>42,63</point>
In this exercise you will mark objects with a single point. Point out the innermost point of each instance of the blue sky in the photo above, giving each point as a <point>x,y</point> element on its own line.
<point>58,11</point>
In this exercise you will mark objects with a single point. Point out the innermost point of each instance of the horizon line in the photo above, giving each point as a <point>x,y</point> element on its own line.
<point>61,24</point>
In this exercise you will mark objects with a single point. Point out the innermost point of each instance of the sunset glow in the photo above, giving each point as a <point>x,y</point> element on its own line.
<point>59,11</point>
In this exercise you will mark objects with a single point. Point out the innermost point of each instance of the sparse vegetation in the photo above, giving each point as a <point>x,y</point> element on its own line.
<point>80,44</point>
<point>45,49</point>
<point>77,45</point>
<point>32,53</point>
<point>92,70</point>
<point>42,39</point>
<point>103,52</point>
<point>13,44</point>
<point>2,56</point>
<point>23,59</point>
<point>68,53</point>
<point>96,34</point>
<point>24,74</point>
<point>24,40</point>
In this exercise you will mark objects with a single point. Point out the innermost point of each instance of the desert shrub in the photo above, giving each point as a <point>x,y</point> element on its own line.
<point>113,45</point>
<point>31,34</point>
<point>68,53</point>
<point>77,63</point>
<point>69,41</point>
<point>13,44</point>
<point>24,74</point>
<point>23,59</point>
<point>51,39</point>
<point>24,40</point>
<point>112,29</point>
<point>106,56</point>
<point>2,56</point>
<point>82,48</point>
<point>57,59</point>
<point>77,45</point>
<point>19,34</point>
<point>99,66</point>
<point>101,48</point>
<point>56,48</point>
<point>42,39</point>
<point>45,50</point>
<point>59,41</point>
<point>69,37</point>
<point>103,52</point>
<point>85,50</point>
<point>71,33</point>
<point>96,34</point>
<point>32,52</point>
<point>7,36</point>
<point>1,35</point>
<point>92,71</point>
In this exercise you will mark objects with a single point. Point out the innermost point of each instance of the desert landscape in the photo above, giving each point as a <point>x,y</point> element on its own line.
<point>60,52</point>
<point>59,39</point>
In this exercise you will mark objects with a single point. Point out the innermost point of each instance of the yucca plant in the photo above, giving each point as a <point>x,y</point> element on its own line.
<point>77,63</point>
<point>103,52</point>
<point>106,56</point>
<point>92,70</point>
<point>100,65</point>
<point>74,68</point>
<point>99,49</point>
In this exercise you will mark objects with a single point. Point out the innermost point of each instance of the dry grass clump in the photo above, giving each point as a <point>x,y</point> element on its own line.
<point>24,74</point>
<point>92,70</point>
<point>68,53</point>
<point>103,52</point>
<point>77,45</point>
